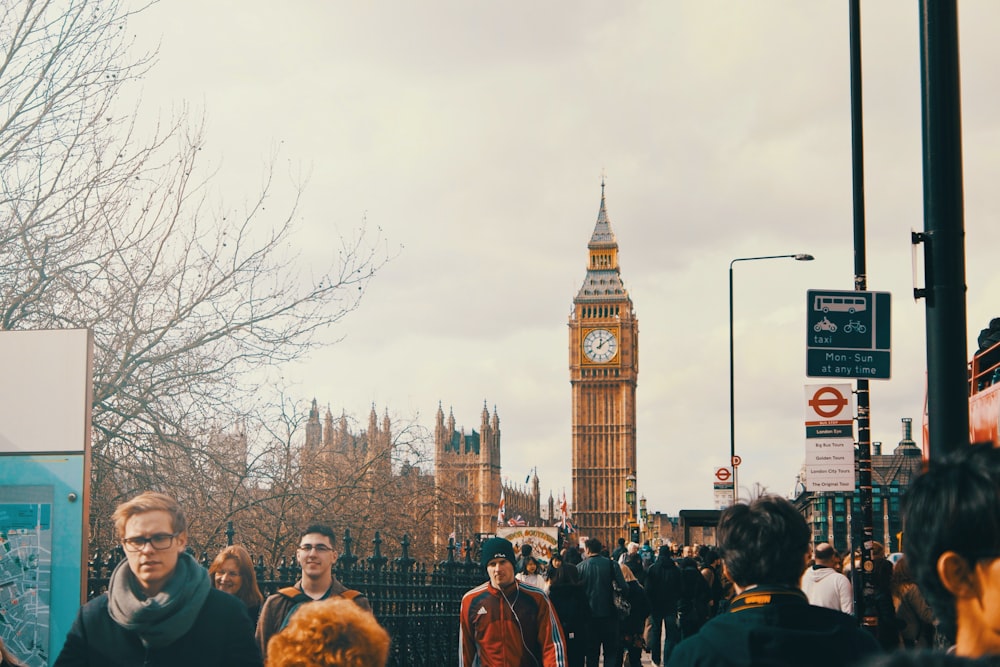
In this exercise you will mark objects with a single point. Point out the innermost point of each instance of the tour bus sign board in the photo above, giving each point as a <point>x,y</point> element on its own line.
<point>848,334</point>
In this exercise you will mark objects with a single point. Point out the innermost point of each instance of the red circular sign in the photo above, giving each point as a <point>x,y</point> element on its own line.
<point>736,461</point>
<point>828,402</point>
<point>723,474</point>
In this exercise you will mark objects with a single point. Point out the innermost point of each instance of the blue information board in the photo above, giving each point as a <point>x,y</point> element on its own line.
<point>41,560</point>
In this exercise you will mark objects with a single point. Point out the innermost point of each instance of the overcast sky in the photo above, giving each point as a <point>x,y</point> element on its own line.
<point>474,135</point>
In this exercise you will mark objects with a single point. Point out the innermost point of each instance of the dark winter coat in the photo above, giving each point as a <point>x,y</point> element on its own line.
<point>775,626</point>
<point>663,587</point>
<point>596,573</point>
<point>635,623</point>
<point>222,636</point>
<point>572,607</point>
<point>693,606</point>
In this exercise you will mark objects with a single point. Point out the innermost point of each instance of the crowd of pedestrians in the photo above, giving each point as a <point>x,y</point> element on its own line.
<point>765,596</point>
<point>768,596</point>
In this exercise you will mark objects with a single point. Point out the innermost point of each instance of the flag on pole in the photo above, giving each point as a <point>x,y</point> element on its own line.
<point>500,512</point>
<point>563,510</point>
<point>517,521</point>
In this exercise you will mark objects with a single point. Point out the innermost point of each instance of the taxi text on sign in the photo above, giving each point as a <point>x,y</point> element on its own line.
<point>829,459</point>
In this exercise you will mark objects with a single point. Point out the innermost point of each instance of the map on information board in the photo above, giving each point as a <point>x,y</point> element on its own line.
<point>25,579</point>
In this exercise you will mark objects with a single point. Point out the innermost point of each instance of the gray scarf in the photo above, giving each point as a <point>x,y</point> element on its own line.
<point>167,616</point>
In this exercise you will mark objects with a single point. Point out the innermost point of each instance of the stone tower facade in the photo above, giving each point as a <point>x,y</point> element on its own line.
<point>333,442</point>
<point>467,480</point>
<point>603,367</point>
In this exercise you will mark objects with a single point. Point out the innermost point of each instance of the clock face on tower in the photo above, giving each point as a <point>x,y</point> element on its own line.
<point>600,346</point>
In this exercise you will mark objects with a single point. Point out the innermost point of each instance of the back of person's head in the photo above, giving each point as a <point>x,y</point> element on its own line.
<point>150,501</point>
<point>621,542</point>
<point>764,542</point>
<point>955,506</point>
<point>330,633</point>
<point>901,575</point>
<point>824,553</point>
<point>562,576</point>
<point>707,555</point>
<point>878,550</point>
<point>319,529</point>
<point>665,553</point>
<point>572,556</point>
<point>593,545</point>
<point>525,550</point>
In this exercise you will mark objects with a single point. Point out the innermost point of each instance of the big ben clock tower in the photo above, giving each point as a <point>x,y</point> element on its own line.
<point>603,369</point>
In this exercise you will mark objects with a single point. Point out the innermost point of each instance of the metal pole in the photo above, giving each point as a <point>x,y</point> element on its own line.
<point>732,393</point>
<point>866,604</point>
<point>800,257</point>
<point>944,229</point>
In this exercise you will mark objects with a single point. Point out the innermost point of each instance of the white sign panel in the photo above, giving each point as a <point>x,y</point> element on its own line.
<point>45,391</point>
<point>829,451</point>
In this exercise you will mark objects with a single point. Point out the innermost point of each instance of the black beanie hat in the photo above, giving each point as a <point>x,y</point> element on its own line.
<point>498,547</point>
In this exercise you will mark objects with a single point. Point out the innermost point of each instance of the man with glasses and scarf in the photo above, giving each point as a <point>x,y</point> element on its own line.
<point>160,608</point>
<point>316,558</point>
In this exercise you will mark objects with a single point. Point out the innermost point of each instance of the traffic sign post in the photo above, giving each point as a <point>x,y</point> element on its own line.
<point>829,460</point>
<point>848,334</point>
<point>722,484</point>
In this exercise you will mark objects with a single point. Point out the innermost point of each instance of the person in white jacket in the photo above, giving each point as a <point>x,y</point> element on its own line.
<point>823,585</point>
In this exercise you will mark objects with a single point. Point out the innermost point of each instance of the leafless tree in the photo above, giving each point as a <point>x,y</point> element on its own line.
<point>104,228</point>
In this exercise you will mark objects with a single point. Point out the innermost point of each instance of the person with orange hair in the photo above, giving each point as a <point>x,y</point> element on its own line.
<point>329,633</point>
<point>232,572</point>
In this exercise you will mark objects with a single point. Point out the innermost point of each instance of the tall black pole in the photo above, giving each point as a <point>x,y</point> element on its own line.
<point>865,602</point>
<point>944,229</point>
<point>732,395</point>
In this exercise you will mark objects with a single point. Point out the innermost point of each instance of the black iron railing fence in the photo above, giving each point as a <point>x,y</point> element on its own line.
<point>418,604</point>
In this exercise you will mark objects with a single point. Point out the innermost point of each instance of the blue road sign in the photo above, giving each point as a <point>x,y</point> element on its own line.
<point>848,334</point>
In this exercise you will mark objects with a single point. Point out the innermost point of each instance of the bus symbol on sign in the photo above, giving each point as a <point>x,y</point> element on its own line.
<point>826,303</point>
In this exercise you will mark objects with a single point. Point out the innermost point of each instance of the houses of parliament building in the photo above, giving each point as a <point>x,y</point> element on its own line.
<point>467,482</point>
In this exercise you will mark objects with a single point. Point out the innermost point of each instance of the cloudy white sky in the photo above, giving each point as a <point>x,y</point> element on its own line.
<point>475,136</point>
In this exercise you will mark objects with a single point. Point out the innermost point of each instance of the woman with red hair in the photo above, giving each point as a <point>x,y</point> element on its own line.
<point>232,572</point>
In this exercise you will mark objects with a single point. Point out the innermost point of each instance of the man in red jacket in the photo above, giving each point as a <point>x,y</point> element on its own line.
<point>507,624</point>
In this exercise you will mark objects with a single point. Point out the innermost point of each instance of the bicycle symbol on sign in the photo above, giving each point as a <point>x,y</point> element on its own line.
<point>855,326</point>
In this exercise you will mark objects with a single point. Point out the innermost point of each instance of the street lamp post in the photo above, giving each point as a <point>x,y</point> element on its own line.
<point>799,257</point>
<point>643,518</point>
<point>630,501</point>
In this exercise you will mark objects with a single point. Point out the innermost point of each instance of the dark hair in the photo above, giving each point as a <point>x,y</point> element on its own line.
<point>707,555</point>
<point>901,576</point>
<point>764,542</point>
<point>572,556</point>
<point>319,529</point>
<point>952,507</point>
<point>567,574</point>
<point>593,545</point>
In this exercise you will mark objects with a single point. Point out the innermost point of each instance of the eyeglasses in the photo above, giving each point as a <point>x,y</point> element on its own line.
<point>160,541</point>
<point>318,548</point>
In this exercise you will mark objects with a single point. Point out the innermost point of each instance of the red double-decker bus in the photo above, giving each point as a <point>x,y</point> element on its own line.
<point>984,398</point>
